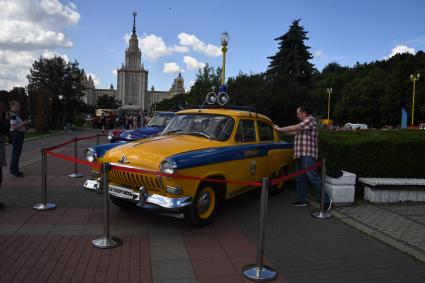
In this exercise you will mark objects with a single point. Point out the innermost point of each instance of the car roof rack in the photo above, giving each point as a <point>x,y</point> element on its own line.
<point>231,107</point>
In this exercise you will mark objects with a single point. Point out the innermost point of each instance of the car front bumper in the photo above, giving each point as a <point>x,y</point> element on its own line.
<point>142,198</point>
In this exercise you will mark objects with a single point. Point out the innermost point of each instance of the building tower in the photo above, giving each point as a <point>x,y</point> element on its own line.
<point>132,77</point>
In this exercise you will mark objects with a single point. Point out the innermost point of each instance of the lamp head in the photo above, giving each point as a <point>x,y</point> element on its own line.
<point>224,38</point>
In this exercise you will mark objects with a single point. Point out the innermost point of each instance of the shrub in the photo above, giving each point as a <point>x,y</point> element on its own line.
<point>79,121</point>
<point>375,153</point>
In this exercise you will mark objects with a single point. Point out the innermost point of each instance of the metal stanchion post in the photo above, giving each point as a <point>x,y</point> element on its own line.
<point>44,205</point>
<point>75,174</point>
<point>258,271</point>
<point>97,139</point>
<point>322,214</point>
<point>106,241</point>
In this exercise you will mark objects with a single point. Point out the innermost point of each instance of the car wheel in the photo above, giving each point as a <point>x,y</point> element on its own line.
<point>203,207</point>
<point>121,202</point>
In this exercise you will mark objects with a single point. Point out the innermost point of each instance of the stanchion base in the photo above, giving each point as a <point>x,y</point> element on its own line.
<point>321,215</point>
<point>42,206</point>
<point>105,243</point>
<point>254,273</point>
<point>75,175</point>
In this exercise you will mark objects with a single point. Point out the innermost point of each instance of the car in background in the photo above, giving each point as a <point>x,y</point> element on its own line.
<point>158,122</point>
<point>352,126</point>
<point>223,144</point>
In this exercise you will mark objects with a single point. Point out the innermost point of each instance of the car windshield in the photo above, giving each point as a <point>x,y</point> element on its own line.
<point>159,121</point>
<point>216,127</point>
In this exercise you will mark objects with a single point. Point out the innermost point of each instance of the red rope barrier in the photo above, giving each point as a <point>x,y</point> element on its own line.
<point>74,160</point>
<point>295,174</point>
<point>60,145</point>
<point>274,181</point>
<point>179,176</point>
<point>90,137</point>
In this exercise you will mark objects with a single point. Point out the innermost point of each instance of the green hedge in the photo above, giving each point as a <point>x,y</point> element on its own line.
<point>375,153</point>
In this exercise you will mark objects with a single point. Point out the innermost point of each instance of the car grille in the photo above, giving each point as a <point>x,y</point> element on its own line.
<point>135,180</point>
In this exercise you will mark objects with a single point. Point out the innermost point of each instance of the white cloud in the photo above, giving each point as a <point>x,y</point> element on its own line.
<point>153,46</point>
<point>96,81</point>
<point>198,45</point>
<point>115,72</point>
<point>400,49</point>
<point>171,68</point>
<point>28,30</point>
<point>31,25</point>
<point>192,63</point>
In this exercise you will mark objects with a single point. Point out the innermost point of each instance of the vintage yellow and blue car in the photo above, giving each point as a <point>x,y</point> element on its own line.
<point>213,143</point>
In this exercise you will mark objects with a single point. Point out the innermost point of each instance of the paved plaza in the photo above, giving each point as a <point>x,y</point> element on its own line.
<point>361,243</point>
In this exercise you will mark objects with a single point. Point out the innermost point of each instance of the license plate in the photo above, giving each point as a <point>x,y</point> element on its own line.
<point>121,192</point>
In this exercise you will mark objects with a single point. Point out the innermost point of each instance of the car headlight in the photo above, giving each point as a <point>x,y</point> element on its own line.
<point>90,154</point>
<point>110,135</point>
<point>168,167</point>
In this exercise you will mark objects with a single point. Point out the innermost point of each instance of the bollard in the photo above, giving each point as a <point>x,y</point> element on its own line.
<point>106,241</point>
<point>258,271</point>
<point>322,214</point>
<point>44,205</point>
<point>97,139</point>
<point>75,174</point>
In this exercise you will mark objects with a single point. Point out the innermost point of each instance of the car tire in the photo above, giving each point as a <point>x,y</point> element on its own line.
<point>204,206</point>
<point>121,203</point>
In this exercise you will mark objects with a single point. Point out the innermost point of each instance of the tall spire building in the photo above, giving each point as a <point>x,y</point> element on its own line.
<point>132,84</point>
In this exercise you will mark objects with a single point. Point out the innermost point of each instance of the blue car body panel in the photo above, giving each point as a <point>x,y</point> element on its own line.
<point>224,154</point>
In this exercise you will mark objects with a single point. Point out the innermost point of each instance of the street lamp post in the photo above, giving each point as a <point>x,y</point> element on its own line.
<point>224,43</point>
<point>329,91</point>
<point>413,79</point>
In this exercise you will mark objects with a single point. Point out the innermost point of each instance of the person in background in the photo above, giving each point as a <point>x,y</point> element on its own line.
<point>4,132</point>
<point>17,133</point>
<point>306,150</point>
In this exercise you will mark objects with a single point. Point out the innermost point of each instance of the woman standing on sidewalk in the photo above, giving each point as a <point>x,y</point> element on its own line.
<point>4,132</point>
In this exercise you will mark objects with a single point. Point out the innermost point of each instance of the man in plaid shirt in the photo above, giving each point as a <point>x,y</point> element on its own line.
<point>305,153</point>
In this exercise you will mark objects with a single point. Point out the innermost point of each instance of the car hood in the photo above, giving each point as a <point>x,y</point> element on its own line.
<point>141,132</point>
<point>148,153</point>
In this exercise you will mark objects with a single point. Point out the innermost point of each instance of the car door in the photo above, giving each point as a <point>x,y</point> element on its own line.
<point>265,137</point>
<point>244,167</point>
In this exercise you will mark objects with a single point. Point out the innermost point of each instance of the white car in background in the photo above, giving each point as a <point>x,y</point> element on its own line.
<point>351,126</point>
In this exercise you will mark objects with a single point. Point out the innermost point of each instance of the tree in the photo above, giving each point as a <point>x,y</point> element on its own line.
<point>292,57</point>
<point>107,102</point>
<point>206,81</point>
<point>174,103</point>
<point>62,82</point>
<point>41,103</point>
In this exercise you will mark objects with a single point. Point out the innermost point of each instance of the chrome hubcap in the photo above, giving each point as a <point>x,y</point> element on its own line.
<point>204,202</point>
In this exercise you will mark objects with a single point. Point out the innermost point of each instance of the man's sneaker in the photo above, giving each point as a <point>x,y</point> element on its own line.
<point>328,206</point>
<point>299,203</point>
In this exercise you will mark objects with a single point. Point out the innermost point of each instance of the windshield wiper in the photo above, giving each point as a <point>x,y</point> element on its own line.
<point>201,135</point>
<point>172,132</point>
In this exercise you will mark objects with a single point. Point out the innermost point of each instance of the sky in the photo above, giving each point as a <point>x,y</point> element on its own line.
<point>183,36</point>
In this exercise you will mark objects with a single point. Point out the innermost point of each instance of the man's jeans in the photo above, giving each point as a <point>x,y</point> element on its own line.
<point>311,176</point>
<point>17,143</point>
